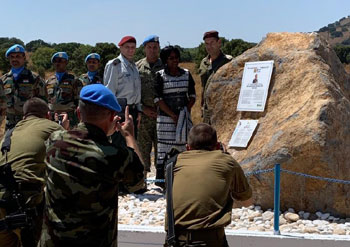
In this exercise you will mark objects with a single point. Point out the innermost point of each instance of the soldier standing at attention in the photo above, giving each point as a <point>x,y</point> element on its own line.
<point>19,85</point>
<point>92,62</point>
<point>148,67</point>
<point>84,171</point>
<point>209,65</point>
<point>122,78</point>
<point>63,89</point>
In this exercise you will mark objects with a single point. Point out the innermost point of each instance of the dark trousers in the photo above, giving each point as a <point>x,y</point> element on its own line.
<point>207,238</point>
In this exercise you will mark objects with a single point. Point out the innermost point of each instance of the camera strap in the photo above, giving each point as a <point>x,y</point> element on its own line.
<point>169,199</point>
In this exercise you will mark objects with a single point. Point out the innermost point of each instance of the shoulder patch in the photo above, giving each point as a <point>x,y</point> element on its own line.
<point>116,61</point>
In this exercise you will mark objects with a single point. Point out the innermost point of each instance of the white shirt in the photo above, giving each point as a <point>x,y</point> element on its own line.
<point>122,78</point>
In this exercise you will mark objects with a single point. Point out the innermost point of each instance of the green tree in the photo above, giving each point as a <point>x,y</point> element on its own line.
<point>107,51</point>
<point>234,47</point>
<point>342,52</point>
<point>139,53</point>
<point>33,45</point>
<point>41,58</point>
<point>67,47</point>
<point>77,61</point>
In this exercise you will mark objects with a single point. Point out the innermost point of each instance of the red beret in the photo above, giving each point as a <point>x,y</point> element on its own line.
<point>127,39</point>
<point>211,34</point>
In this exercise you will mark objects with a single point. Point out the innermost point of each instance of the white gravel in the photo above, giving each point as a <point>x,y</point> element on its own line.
<point>149,210</point>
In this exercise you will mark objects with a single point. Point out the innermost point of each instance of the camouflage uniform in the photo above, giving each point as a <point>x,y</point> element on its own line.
<point>85,80</point>
<point>27,158</point>
<point>17,92</point>
<point>206,70</point>
<point>82,187</point>
<point>148,129</point>
<point>63,96</point>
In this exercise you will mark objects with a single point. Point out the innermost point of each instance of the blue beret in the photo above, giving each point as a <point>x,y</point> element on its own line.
<point>100,95</point>
<point>60,54</point>
<point>151,38</point>
<point>15,48</point>
<point>92,55</point>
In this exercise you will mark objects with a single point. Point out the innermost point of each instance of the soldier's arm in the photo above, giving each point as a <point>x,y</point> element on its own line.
<point>240,188</point>
<point>2,103</point>
<point>40,89</point>
<point>78,85</point>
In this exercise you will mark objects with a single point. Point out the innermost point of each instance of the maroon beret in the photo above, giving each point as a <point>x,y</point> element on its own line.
<point>211,34</point>
<point>127,39</point>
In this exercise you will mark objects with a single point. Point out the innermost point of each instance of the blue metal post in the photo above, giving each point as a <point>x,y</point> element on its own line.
<point>276,225</point>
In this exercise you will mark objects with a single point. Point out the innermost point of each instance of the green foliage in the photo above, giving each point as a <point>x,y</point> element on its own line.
<point>343,52</point>
<point>33,45</point>
<point>346,42</point>
<point>139,54</point>
<point>41,58</point>
<point>234,47</point>
<point>323,29</point>
<point>67,47</point>
<point>107,51</point>
<point>336,34</point>
<point>77,62</point>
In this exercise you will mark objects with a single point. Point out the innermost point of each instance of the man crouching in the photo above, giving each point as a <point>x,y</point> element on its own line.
<point>206,180</point>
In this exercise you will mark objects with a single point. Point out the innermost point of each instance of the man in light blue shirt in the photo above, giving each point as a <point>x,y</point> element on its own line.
<point>122,78</point>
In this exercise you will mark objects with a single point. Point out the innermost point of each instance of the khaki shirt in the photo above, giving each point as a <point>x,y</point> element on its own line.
<point>122,78</point>
<point>207,68</point>
<point>205,184</point>
<point>28,153</point>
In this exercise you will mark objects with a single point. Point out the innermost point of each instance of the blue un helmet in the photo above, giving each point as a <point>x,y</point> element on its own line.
<point>60,54</point>
<point>93,55</point>
<point>15,48</point>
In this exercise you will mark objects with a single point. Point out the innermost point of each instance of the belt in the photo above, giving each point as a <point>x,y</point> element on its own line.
<point>201,232</point>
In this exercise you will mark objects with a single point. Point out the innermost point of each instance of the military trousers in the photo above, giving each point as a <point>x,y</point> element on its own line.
<point>207,238</point>
<point>147,137</point>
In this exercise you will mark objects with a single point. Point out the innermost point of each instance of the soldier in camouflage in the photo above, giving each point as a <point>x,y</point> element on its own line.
<point>18,85</point>
<point>84,171</point>
<point>63,89</point>
<point>208,67</point>
<point>92,62</point>
<point>148,67</point>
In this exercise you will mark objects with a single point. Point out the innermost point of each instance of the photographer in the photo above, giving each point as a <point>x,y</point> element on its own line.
<point>206,180</point>
<point>26,158</point>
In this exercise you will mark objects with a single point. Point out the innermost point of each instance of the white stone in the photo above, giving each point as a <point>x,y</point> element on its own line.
<point>268,215</point>
<point>292,217</point>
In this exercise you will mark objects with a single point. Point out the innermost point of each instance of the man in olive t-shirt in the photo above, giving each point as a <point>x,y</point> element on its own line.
<point>27,158</point>
<point>206,180</point>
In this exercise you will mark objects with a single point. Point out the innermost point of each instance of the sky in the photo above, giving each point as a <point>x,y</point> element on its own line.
<point>180,22</point>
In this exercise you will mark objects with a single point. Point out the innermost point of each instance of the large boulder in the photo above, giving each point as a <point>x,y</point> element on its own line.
<point>305,126</point>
